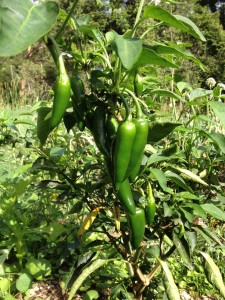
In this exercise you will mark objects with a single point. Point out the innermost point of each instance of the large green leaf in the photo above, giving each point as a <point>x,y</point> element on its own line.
<point>23,23</point>
<point>192,28</point>
<point>177,51</point>
<point>128,50</point>
<point>158,131</point>
<point>219,110</point>
<point>150,57</point>
<point>163,15</point>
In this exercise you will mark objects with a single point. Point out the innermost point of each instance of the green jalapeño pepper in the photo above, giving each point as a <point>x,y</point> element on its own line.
<point>78,101</point>
<point>99,130</point>
<point>150,208</point>
<point>126,198</point>
<point>111,127</point>
<point>124,141</point>
<point>139,142</point>
<point>62,94</point>
<point>138,85</point>
<point>137,227</point>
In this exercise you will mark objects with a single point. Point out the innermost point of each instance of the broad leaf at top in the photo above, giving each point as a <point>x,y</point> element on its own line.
<point>23,23</point>
<point>163,15</point>
<point>128,50</point>
<point>192,28</point>
<point>150,57</point>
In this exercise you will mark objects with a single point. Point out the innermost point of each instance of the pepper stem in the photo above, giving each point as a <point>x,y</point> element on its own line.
<point>136,102</point>
<point>127,108</point>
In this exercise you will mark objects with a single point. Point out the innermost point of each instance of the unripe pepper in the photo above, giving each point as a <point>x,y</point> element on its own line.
<point>99,130</point>
<point>78,102</point>
<point>138,85</point>
<point>62,94</point>
<point>111,127</point>
<point>150,208</point>
<point>126,198</point>
<point>137,227</point>
<point>138,146</point>
<point>124,141</point>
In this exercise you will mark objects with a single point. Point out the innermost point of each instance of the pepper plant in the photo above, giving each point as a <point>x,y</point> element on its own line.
<point>134,201</point>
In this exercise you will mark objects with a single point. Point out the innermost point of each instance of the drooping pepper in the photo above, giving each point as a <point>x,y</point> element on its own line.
<point>124,141</point>
<point>126,198</point>
<point>150,208</point>
<point>78,102</point>
<point>138,85</point>
<point>62,94</point>
<point>139,142</point>
<point>99,130</point>
<point>137,227</point>
<point>111,127</point>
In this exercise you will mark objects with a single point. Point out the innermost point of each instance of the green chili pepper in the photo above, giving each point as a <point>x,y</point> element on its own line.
<point>99,130</point>
<point>124,141</point>
<point>126,198</point>
<point>135,171</point>
<point>137,227</point>
<point>62,94</point>
<point>111,127</point>
<point>138,146</point>
<point>150,208</point>
<point>138,85</point>
<point>78,101</point>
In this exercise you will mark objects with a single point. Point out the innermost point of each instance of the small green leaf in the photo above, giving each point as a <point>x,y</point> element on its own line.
<point>182,251</point>
<point>160,176</point>
<point>178,180</point>
<point>23,283</point>
<point>192,239</point>
<point>217,137</point>
<point>158,131</point>
<point>38,268</point>
<point>165,93</point>
<point>214,211</point>
<point>4,284</point>
<point>90,295</point>
<point>57,151</point>
<point>128,50</point>
<point>213,274</point>
<point>219,110</point>
<point>170,286</point>
<point>199,93</point>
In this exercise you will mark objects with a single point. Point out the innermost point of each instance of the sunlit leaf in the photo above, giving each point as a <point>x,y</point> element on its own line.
<point>23,23</point>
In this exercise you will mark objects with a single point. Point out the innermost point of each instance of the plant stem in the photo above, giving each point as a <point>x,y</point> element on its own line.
<point>66,20</point>
<point>142,2</point>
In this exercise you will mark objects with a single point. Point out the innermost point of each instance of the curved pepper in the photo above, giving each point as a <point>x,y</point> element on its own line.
<point>62,94</point>
<point>137,227</point>
<point>126,198</point>
<point>150,208</point>
<point>99,130</point>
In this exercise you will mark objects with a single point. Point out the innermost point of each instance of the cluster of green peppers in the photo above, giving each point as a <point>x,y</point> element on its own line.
<point>122,144</point>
